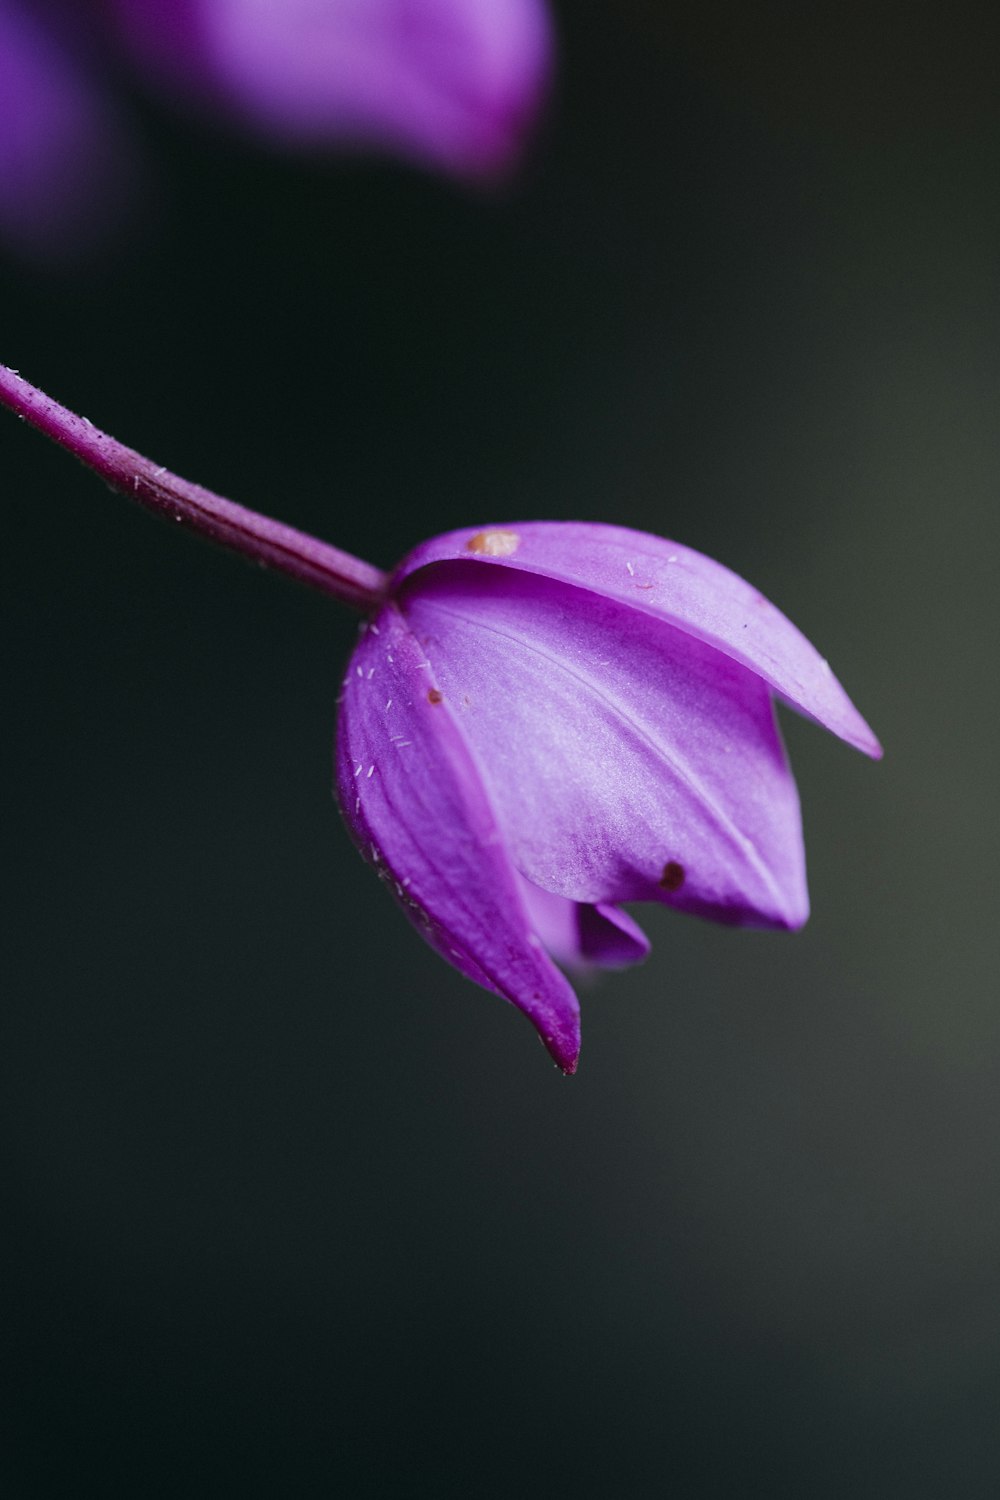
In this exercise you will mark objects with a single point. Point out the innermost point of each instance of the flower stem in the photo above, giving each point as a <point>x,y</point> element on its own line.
<point>269,542</point>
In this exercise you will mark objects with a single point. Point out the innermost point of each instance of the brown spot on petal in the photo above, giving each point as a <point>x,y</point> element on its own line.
<point>493,543</point>
<point>434,696</point>
<point>673,876</point>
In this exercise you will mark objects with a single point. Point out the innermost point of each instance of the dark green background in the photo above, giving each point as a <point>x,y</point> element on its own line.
<point>290,1208</point>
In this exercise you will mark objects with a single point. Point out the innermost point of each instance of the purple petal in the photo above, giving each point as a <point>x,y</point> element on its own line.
<point>452,83</point>
<point>625,760</point>
<point>414,802</point>
<point>62,161</point>
<point>580,936</point>
<point>671,583</point>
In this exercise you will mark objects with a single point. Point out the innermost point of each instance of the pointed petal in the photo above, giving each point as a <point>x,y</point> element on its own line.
<point>414,802</point>
<point>580,936</point>
<point>673,584</point>
<point>452,83</point>
<point>624,759</point>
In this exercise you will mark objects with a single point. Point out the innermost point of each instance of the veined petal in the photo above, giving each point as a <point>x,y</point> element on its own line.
<point>581,936</point>
<point>670,583</point>
<point>452,83</point>
<point>412,797</point>
<point>625,760</point>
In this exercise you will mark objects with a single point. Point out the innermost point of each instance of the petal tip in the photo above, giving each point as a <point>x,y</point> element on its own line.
<point>796,920</point>
<point>793,914</point>
<point>859,735</point>
<point>854,730</point>
<point>563,1048</point>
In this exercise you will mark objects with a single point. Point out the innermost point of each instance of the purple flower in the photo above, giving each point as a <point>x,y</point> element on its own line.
<point>450,84</point>
<point>63,149</point>
<point>544,720</point>
<point>541,721</point>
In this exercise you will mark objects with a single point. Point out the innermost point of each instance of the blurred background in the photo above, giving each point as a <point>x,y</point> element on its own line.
<point>290,1207</point>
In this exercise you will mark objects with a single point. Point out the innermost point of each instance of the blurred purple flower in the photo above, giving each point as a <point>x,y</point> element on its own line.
<point>450,84</point>
<point>547,719</point>
<point>63,147</point>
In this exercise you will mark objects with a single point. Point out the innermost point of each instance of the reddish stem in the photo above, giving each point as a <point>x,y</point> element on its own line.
<point>270,542</point>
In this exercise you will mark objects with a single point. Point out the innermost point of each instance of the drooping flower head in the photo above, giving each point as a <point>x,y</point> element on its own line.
<point>547,719</point>
<point>541,721</point>
<point>450,84</point>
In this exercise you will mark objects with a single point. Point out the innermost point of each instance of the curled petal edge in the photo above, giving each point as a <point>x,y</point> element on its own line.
<point>584,935</point>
